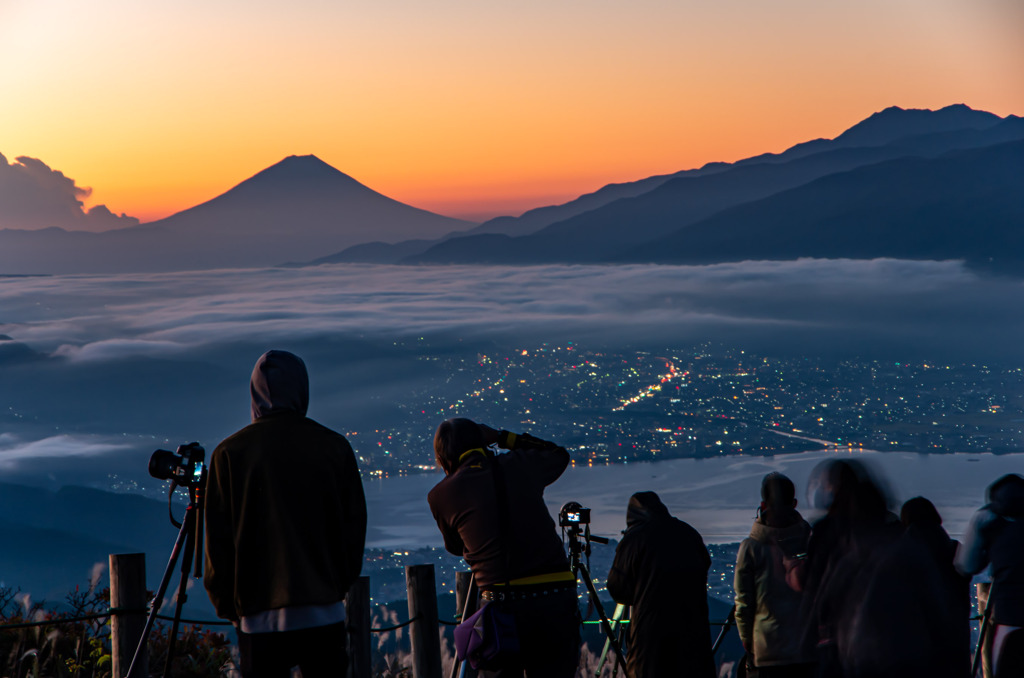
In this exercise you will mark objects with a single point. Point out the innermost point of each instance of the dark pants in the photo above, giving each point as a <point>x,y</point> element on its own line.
<point>1010,662</point>
<point>786,671</point>
<point>549,637</point>
<point>318,651</point>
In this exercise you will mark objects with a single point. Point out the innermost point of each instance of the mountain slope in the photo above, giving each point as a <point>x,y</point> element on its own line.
<point>599,235</point>
<point>963,205</point>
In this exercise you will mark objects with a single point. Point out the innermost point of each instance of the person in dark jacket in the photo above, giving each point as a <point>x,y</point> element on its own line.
<point>285,528</point>
<point>767,607</point>
<point>490,510</point>
<point>661,569</point>
<point>995,537</point>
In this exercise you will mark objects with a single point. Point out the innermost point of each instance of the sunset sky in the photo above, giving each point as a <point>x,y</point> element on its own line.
<point>470,108</point>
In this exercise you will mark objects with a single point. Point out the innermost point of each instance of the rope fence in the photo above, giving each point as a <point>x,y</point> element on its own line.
<point>124,614</point>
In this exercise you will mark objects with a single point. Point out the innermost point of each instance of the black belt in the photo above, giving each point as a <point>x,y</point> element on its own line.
<point>527,592</point>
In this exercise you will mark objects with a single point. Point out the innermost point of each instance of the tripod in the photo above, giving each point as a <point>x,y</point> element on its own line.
<point>579,538</point>
<point>190,536</point>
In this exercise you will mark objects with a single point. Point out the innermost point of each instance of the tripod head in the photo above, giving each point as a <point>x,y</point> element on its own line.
<point>574,520</point>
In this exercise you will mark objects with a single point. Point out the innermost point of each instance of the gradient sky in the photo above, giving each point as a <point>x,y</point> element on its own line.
<point>470,108</point>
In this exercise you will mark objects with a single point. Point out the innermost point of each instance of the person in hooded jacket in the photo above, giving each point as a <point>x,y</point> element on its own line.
<point>995,537</point>
<point>661,569</point>
<point>767,607</point>
<point>285,529</point>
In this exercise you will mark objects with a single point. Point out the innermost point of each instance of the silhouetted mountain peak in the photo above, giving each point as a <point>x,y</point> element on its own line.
<point>301,171</point>
<point>894,122</point>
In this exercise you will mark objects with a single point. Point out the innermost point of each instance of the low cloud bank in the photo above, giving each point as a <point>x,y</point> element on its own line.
<point>808,305</point>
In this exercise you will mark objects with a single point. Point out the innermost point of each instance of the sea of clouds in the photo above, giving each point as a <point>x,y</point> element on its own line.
<point>889,304</point>
<point>111,366</point>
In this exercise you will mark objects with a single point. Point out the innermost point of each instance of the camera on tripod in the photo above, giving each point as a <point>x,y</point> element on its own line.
<point>573,514</point>
<point>184,467</point>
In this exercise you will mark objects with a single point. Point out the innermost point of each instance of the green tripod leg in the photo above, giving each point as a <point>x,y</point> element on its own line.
<point>616,625</point>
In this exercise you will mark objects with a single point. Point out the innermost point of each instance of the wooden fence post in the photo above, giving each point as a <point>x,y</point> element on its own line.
<point>426,643</point>
<point>357,614</point>
<point>462,582</point>
<point>128,591</point>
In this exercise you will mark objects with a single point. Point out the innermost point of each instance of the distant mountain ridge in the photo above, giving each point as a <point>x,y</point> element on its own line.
<point>965,204</point>
<point>663,216</point>
<point>303,210</point>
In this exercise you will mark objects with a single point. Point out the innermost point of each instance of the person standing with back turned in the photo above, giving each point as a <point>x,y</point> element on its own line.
<point>285,528</point>
<point>661,569</point>
<point>767,607</point>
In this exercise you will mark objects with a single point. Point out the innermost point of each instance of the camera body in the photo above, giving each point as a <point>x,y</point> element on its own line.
<point>183,467</point>
<point>573,514</point>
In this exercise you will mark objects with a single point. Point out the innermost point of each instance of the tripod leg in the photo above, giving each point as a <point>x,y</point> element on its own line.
<point>154,606</point>
<point>619,609</point>
<point>605,625</point>
<point>186,567</point>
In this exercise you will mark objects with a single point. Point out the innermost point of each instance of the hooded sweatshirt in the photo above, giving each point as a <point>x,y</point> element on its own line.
<point>996,536</point>
<point>285,512</point>
<point>661,569</point>
<point>767,608</point>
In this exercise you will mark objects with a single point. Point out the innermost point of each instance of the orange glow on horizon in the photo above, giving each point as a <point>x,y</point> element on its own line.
<point>471,110</point>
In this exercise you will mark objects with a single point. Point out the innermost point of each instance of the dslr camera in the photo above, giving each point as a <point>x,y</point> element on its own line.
<point>183,467</point>
<point>573,515</point>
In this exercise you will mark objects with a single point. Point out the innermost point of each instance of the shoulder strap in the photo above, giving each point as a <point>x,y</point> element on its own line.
<point>504,520</point>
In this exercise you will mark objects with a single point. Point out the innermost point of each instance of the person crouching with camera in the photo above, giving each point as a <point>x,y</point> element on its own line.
<point>490,510</point>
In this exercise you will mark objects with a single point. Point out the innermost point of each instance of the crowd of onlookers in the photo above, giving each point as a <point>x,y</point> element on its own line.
<point>861,593</point>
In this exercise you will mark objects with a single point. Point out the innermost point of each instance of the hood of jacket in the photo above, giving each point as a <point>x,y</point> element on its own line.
<point>279,384</point>
<point>1006,496</point>
<point>792,539</point>
<point>644,507</point>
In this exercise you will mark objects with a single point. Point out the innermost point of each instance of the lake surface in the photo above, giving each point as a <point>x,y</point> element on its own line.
<point>717,496</point>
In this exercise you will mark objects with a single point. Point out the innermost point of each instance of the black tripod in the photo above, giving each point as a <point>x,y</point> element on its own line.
<point>578,537</point>
<point>190,536</point>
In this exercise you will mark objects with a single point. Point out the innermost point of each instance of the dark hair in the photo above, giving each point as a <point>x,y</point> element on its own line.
<point>453,437</point>
<point>919,511</point>
<point>777,491</point>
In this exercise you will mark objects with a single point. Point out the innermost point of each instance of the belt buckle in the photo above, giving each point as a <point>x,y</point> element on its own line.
<point>496,596</point>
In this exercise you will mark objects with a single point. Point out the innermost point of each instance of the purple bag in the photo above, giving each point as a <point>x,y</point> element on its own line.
<point>488,639</point>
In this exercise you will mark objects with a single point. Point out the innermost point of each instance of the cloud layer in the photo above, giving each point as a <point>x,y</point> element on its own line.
<point>824,306</point>
<point>34,196</point>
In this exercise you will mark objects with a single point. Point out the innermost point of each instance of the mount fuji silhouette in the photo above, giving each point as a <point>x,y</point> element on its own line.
<point>294,210</point>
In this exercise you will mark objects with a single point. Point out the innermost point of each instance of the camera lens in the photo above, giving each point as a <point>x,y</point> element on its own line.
<point>164,464</point>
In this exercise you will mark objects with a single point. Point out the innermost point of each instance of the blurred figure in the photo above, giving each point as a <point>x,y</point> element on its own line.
<point>661,569</point>
<point>767,608</point>
<point>844,548</point>
<point>995,537</point>
<point>490,510</point>
<point>285,526</point>
<point>911,616</point>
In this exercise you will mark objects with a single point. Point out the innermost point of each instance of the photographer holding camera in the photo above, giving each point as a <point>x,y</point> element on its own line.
<point>490,509</point>
<point>285,527</point>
